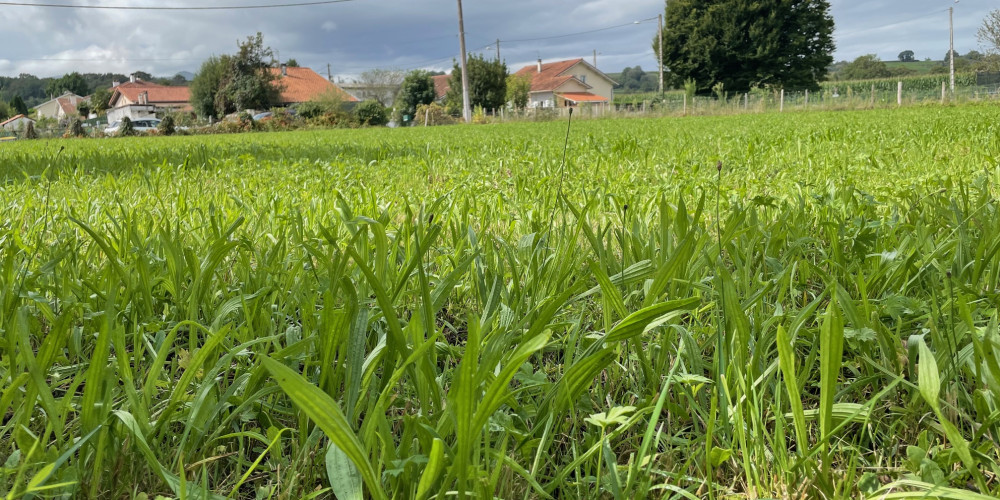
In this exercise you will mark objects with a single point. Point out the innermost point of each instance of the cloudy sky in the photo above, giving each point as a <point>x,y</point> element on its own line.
<point>360,34</point>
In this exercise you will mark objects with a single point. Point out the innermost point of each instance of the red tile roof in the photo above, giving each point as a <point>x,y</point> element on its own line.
<point>156,94</point>
<point>9,120</point>
<point>549,78</point>
<point>442,84</point>
<point>582,97</point>
<point>304,84</point>
<point>68,105</point>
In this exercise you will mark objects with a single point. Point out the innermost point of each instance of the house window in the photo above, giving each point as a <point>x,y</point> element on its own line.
<point>583,78</point>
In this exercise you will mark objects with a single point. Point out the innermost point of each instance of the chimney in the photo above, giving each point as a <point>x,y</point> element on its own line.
<point>539,64</point>
<point>115,84</point>
<point>132,78</point>
<point>284,69</point>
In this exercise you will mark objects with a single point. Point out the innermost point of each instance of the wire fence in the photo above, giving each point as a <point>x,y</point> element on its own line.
<point>770,101</point>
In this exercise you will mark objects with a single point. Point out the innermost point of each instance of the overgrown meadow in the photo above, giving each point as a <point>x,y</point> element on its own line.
<point>800,305</point>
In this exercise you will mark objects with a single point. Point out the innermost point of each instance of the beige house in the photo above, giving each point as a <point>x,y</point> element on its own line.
<point>567,84</point>
<point>61,108</point>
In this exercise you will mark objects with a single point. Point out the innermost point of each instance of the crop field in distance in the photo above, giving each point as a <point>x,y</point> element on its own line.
<point>797,305</point>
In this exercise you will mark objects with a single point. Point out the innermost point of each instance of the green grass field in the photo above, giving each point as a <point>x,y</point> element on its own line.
<point>797,305</point>
<point>920,67</point>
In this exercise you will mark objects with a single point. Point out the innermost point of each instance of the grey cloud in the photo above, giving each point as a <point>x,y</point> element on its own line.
<point>363,34</point>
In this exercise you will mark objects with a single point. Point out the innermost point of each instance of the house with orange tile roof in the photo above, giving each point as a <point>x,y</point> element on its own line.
<point>567,84</point>
<point>303,84</point>
<point>60,108</point>
<point>139,99</point>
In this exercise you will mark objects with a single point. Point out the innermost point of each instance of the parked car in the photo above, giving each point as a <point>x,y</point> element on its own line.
<point>144,125</point>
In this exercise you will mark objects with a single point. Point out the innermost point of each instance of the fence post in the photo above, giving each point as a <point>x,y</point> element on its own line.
<point>746,101</point>
<point>873,96</point>
<point>899,93</point>
<point>781,106</point>
<point>807,98</point>
<point>685,104</point>
<point>942,93</point>
<point>427,115</point>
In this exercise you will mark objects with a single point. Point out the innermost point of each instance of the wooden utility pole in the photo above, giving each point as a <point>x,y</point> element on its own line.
<point>951,51</point>
<point>498,49</point>
<point>466,109</point>
<point>595,58</point>
<point>660,49</point>
<point>329,76</point>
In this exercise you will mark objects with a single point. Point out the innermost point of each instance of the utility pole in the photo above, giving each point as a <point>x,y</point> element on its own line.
<point>329,76</point>
<point>660,49</point>
<point>498,49</point>
<point>595,58</point>
<point>951,52</point>
<point>466,110</point>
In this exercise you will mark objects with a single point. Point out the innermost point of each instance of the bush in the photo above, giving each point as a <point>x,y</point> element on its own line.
<point>126,128</point>
<point>247,122</point>
<point>75,129</point>
<point>371,113</point>
<point>29,131</point>
<point>433,114</point>
<point>166,126</point>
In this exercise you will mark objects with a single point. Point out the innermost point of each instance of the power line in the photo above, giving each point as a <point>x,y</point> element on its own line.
<point>888,26</point>
<point>208,7</point>
<point>633,23</point>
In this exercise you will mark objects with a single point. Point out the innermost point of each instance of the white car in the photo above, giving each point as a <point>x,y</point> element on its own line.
<point>144,125</point>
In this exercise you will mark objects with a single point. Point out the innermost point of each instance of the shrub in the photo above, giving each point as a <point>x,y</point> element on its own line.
<point>371,113</point>
<point>166,126</point>
<point>126,128</point>
<point>75,129</point>
<point>29,131</point>
<point>433,114</point>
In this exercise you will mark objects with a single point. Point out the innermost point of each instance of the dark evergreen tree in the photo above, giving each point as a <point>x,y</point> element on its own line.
<point>487,84</point>
<point>18,106</point>
<point>782,43</point>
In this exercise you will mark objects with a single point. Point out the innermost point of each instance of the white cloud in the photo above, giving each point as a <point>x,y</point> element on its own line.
<point>329,26</point>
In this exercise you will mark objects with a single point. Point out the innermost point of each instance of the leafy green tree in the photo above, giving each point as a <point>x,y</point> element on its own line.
<point>249,82</point>
<point>783,43</point>
<point>99,100</point>
<point>417,88</point>
<point>292,63</point>
<point>83,109</point>
<point>18,106</point>
<point>487,84</point>
<point>206,85</point>
<point>518,91</point>
<point>865,67</point>
<point>6,111</point>
<point>906,56</point>
<point>72,82</point>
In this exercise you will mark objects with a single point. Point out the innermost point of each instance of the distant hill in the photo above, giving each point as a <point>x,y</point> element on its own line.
<point>187,75</point>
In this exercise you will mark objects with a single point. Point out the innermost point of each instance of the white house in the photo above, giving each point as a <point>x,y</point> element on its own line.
<point>567,84</point>
<point>61,108</point>
<point>138,99</point>
<point>19,122</point>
